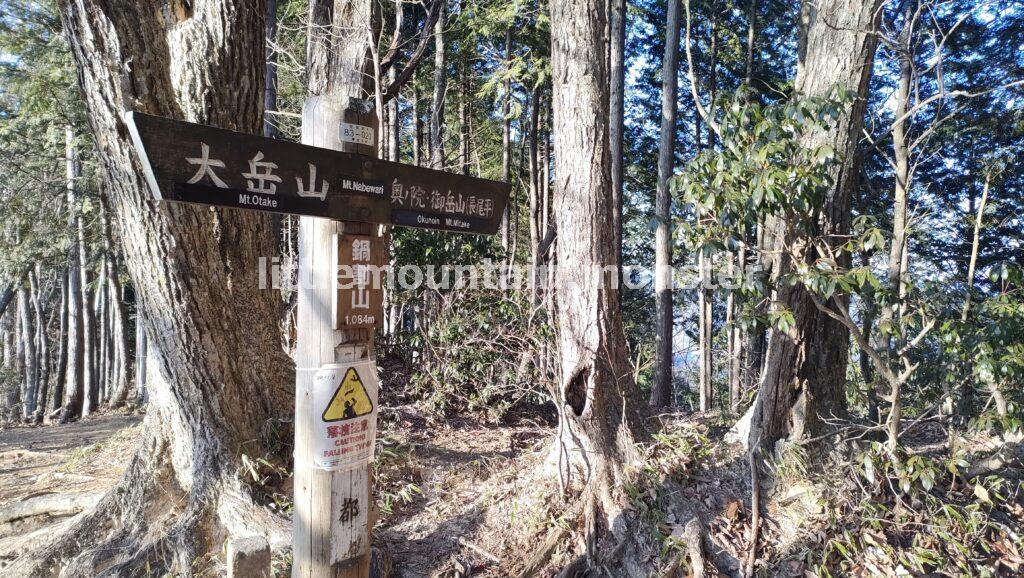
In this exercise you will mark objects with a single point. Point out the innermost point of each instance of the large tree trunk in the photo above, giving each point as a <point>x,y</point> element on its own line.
<point>805,369</point>
<point>661,393</point>
<point>598,402</point>
<point>221,374</point>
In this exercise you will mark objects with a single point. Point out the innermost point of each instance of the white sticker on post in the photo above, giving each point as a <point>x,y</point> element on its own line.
<point>345,415</point>
<point>356,133</point>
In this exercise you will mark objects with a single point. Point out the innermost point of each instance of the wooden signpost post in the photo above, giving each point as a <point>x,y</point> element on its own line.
<point>342,193</point>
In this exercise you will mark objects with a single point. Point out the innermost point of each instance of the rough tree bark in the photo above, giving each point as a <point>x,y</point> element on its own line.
<point>598,402</point>
<point>661,393</point>
<point>805,368</point>
<point>221,374</point>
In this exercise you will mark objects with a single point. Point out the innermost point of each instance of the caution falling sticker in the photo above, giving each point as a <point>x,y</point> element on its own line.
<point>345,406</point>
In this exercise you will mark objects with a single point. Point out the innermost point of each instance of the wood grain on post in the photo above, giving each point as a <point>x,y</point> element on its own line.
<point>324,545</point>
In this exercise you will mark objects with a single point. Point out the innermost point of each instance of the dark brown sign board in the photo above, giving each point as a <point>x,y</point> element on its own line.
<point>359,300</point>
<point>193,163</point>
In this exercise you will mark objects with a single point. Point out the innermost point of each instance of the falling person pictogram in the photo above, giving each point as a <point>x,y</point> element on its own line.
<point>350,400</point>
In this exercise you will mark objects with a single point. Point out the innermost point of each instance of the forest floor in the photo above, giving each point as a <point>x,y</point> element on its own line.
<point>460,496</point>
<point>57,471</point>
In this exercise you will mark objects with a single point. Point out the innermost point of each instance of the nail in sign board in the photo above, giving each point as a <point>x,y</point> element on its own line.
<point>345,415</point>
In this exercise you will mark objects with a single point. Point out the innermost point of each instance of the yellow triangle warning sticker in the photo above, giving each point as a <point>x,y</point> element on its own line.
<point>350,400</point>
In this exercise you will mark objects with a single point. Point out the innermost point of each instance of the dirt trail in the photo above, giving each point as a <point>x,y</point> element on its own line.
<point>84,456</point>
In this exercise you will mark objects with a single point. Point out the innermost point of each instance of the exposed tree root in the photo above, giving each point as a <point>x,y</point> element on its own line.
<point>1008,456</point>
<point>148,523</point>
<point>45,505</point>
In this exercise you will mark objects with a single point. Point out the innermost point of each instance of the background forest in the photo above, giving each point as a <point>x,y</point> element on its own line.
<point>832,384</point>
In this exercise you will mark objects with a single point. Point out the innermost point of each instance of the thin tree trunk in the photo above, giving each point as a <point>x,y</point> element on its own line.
<point>617,92</point>
<point>417,126</point>
<point>661,393</point>
<point>60,374</point>
<point>705,326</point>
<point>535,192</point>
<point>735,331</point>
<point>440,88</point>
<point>867,372</point>
<point>997,394</point>
<point>270,72</point>
<point>88,329</point>
<point>141,359</point>
<point>118,333</point>
<point>891,308</point>
<point>74,380</point>
<point>506,142</point>
<point>16,355</point>
<point>394,123</point>
<point>748,77</point>
<point>30,374</point>
<point>100,314</point>
<point>464,112</point>
<point>543,182</point>
<point>706,296</point>
<point>42,345</point>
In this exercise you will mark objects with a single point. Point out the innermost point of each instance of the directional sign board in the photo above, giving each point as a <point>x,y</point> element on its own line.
<point>194,163</point>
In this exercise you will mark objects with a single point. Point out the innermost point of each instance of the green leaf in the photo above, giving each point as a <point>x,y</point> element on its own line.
<point>981,493</point>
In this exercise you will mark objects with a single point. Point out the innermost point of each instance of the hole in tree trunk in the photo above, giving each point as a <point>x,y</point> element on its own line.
<point>181,9</point>
<point>576,391</point>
